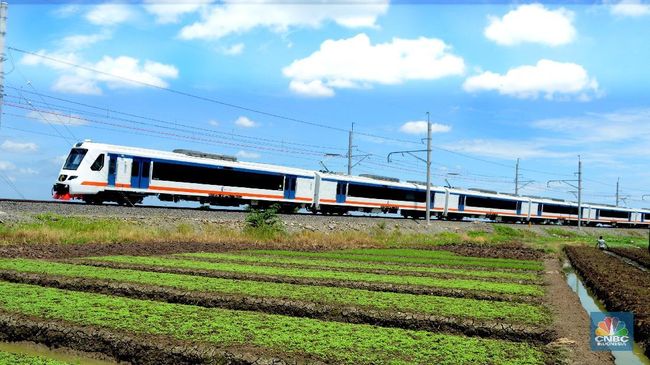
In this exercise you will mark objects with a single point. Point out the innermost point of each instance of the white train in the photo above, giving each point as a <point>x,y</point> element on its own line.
<point>98,173</point>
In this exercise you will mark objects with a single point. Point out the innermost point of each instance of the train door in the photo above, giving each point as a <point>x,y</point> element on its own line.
<point>290,187</point>
<point>340,191</point>
<point>140,168</point>
<point>112,169</point>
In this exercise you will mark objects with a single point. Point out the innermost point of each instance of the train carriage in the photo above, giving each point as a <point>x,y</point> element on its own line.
<point>98,173</point>
<point>126,175</point>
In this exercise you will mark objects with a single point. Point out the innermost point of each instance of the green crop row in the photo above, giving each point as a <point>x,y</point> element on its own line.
<point>463,284</point>
<point>359,266</point>
<point>447,260</point>
<point>332,342</point>
<point>411,252</point>
<point>421,304</point>
<point>8,358</point>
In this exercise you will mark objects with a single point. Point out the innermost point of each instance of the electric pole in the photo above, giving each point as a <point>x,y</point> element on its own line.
<point>517,178</point>
<point>3,57</point>
<point>617,181</point>
<point>579,192</point>
<point>428,200</point>
<point>350,150</point>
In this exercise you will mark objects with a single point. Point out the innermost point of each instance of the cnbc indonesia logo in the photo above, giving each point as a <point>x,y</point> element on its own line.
<point>613,332</point>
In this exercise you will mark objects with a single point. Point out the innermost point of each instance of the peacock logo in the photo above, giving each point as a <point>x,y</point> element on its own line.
<point>611,326</point>
<point>612,332</point>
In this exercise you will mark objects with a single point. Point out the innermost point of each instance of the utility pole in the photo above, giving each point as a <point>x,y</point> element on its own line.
<point>578,187</point>
<point>427,211</point>
<point>428,200</point>
<point>350,150</point>
<point>3,57</point>
<point>579,192</point>
<point>617,181</point>
<point>518,182</point>
<point>517,178</point>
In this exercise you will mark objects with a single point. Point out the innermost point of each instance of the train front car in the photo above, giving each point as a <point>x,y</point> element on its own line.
<point>83,173</point>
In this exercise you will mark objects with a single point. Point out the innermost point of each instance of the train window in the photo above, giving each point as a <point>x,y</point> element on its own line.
<point>135,168</point>
<point>112,166</point>
<point>613,214</point>
<point>646,217</point>
<point>98,165</point>
<point>74,158</point>
<point>385,192</point>
<point>560,209</point>
<point>482,202</point>
<point>216,176</point>
<point>145,168</point>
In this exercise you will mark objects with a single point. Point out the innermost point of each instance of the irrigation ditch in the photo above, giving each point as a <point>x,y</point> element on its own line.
<point>605,283</point>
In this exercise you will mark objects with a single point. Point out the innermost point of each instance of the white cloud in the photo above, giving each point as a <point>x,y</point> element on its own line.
<point>550,78</point>
<point>420,127</point>
<point>314,88</point>
<point>623,125</point>
<point>632,8</point>
<point>18,147</point>
<point>56,117</point>
<point>58,160</point>
<point>170,11</point>
<point>81,41</point>
<point>235,49</point>
<point>248,155</point>
<point>245,123</point>
<point>67,10</point>
<point>27,171</point>
<point>506,149</point>
<point>532,23</point>
<point>7,166</point>
<point>80,81</point>
<point>109,14</point>
<point>355,62</point>
<point>76,84</point>
<point>214,123</point>
<point>237,17</point>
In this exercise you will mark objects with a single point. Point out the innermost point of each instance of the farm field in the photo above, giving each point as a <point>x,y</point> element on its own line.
<point>620,286</point>
<point>228,307</point>
<point>642,257</point>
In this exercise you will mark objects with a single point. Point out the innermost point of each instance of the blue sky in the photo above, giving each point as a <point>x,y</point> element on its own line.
<point>540,82</point>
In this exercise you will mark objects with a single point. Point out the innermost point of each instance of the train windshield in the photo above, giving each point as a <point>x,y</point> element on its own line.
<point>75,158</point>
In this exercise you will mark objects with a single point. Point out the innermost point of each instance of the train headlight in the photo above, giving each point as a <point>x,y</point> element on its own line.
<point>63,177</point>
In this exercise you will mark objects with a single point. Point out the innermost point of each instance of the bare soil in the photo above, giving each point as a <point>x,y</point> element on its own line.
<point>506,251</point>
<point>642,257</point>
<point>620,286</point>
<point>570,320</point>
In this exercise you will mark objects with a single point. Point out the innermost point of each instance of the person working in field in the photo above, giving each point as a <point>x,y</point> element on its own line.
<point>600,244</point>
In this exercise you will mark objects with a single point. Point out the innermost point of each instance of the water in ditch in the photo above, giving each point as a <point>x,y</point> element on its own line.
<point>591,304</point>
<point>60,354</point>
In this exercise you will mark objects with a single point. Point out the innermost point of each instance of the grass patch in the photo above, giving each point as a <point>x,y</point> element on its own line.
<point>332,342</point>
<point>421,304</point>
<point>8,358</point>
<point>427,258</point>
<point>462,284</point>
<point>357,266</point>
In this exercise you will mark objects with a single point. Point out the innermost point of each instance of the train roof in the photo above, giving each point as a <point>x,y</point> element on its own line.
<point>207,159</point>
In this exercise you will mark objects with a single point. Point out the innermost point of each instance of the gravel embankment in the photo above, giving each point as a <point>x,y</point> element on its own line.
<point>16,211</point>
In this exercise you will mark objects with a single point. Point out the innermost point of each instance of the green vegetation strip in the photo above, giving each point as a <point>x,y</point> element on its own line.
<point>8,358</point>
<point>461,284</point>
<point>357,266</point>
<point>419,304</point>
<point>295,337</point>
<point>446,259</point>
